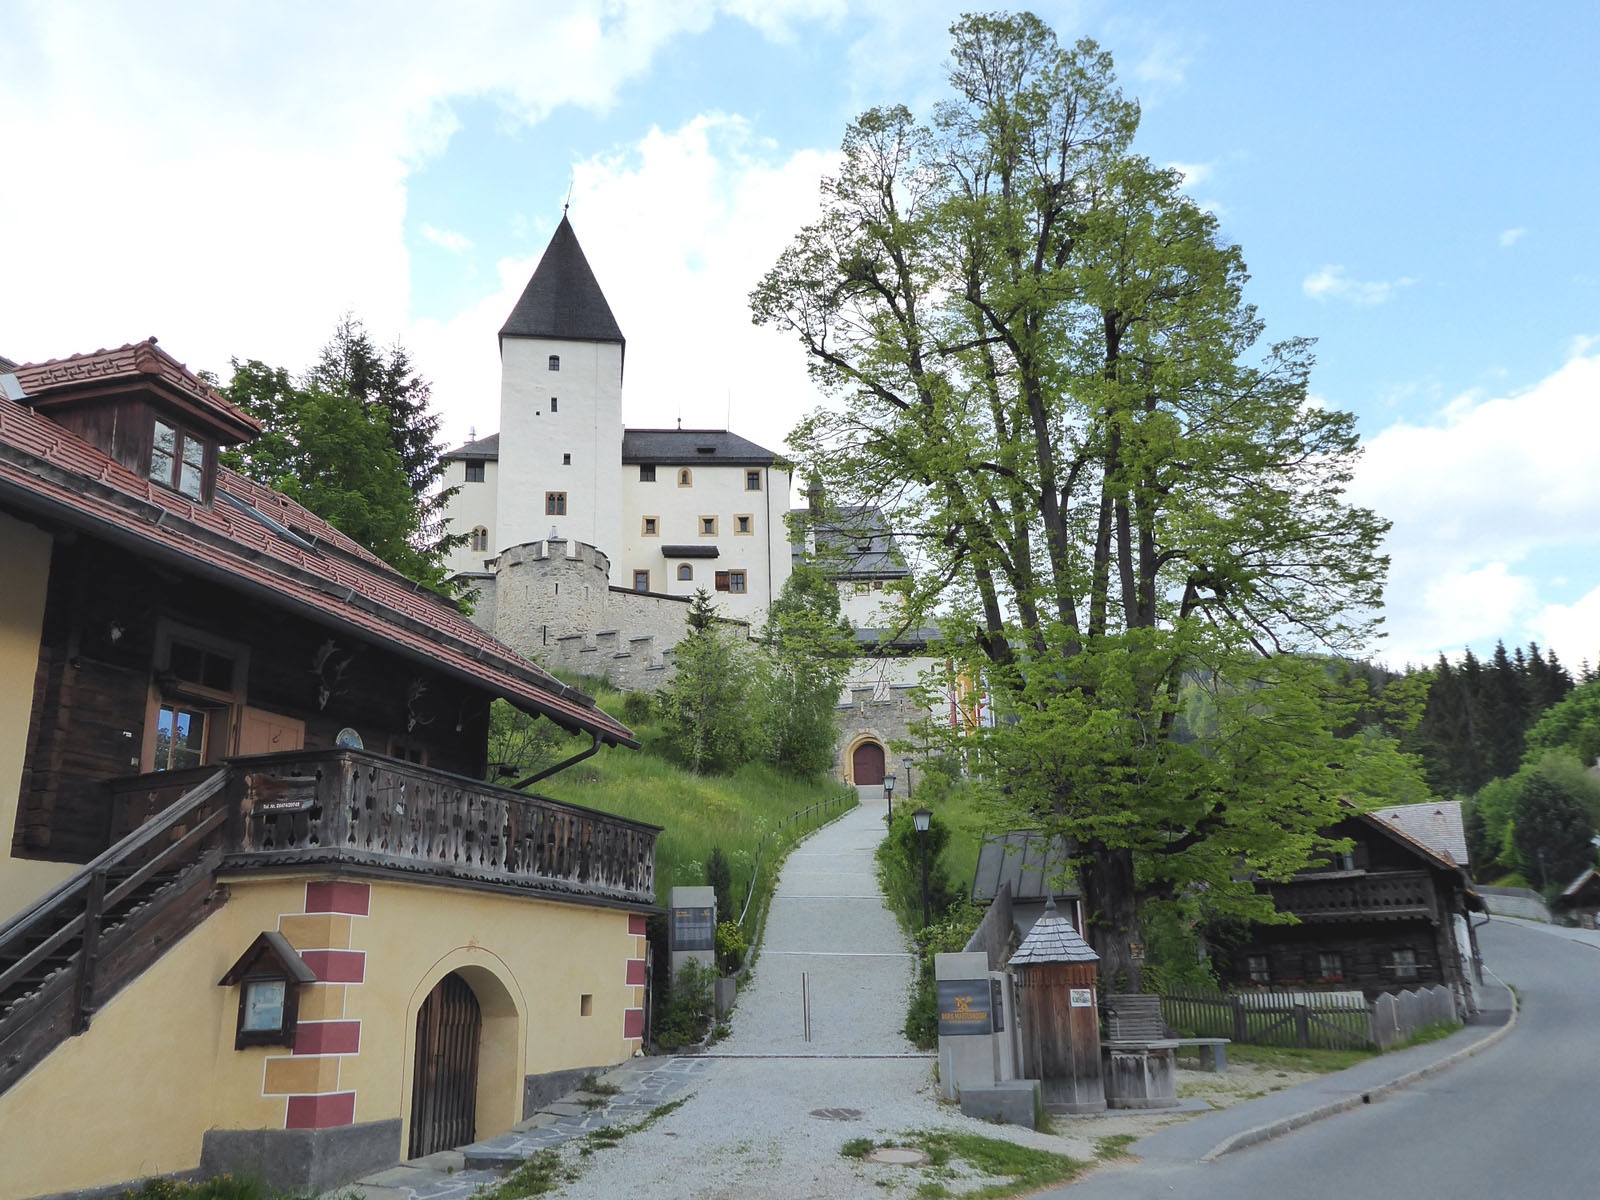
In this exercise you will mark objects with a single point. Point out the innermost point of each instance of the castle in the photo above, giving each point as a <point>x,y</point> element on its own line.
<point>586,540</point>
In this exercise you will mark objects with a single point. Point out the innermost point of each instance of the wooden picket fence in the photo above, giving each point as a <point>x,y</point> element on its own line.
<point>1340,1020</point>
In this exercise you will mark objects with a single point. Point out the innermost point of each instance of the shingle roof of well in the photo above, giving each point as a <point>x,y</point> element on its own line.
<point>1053,940</point>
<point>563,299</point>
<point>318,572</point>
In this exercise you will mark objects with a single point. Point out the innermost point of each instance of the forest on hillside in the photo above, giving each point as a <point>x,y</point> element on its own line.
<point>1514,738</point>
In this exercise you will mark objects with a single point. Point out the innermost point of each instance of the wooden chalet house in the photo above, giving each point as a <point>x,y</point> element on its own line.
<point>256,909</point>
<point>1387,915</point>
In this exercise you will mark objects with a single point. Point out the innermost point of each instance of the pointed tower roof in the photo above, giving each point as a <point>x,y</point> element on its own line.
<point>563,299</point>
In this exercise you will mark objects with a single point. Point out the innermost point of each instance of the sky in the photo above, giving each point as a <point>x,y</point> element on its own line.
<point>1412,184</point>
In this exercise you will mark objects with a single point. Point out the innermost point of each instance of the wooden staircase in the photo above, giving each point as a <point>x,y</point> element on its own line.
<point>84,941</point>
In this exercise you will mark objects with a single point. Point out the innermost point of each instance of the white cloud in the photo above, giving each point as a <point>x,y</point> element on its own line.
<point>447,239</point>
<point>1330,283</point>
<point>234,178</point>
<point>1477,498</point>
<point>1194,174</point>
<point>678,229</point>
<point>1573,629</point>
<point>1510,237</point>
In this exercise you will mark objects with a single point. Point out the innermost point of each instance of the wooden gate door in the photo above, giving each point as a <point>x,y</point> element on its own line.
<point>866,764</point>
<point>444,1088</point>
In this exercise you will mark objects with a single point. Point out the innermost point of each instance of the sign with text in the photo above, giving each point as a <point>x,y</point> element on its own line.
<point>1082,997</point>
<point>964,1007</point>
<point>694,929</point>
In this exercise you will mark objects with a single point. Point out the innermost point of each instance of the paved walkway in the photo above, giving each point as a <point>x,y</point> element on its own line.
<point>830,941</point>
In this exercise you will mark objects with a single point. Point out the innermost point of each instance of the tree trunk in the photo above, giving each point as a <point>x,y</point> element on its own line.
<point>1106,876</point>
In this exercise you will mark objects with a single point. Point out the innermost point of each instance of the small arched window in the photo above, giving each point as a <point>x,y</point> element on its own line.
<point>685,478</point>
<point>685,571</point>
<point>555,362</point>
<point>479,539</point>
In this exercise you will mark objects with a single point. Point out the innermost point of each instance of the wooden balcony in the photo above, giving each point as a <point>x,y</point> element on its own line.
<point>354,810</point>
<point>1358,896</point>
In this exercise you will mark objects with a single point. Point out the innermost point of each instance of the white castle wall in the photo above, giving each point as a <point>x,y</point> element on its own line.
<point>474,504</point>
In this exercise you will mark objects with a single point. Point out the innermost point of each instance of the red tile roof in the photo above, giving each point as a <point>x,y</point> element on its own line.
<point>49,471</point>
<point>136,362</point>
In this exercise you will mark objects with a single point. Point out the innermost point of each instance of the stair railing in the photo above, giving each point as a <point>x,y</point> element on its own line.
<point>89,894</point>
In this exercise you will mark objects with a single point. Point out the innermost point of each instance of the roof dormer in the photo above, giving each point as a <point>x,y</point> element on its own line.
<point>144,409</point>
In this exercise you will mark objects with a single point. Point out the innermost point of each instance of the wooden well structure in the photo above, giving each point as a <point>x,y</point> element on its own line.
<point>1058,1014</point>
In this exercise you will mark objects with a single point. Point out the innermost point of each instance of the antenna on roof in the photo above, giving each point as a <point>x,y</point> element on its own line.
<point>680,424</point>
<point>568,204</point>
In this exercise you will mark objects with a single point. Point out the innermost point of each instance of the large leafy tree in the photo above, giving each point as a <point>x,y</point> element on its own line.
<point>326,450</point>
<point>1043,370</point>
<point>807,651</point>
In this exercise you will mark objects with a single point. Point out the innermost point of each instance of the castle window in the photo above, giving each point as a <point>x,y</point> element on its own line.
<point>686,478</point>
<point>474,470</point>
<point>555,504</point>
<point>480,539</point>
<point>178,460</point>
<point>555,404</point>
<point>647,473</point>
<point>555,362</point>
<point>741,524</point>
<point>731,581</point>
<point>708,527</point>
<point>566,460</point>
<point>641,581</point>
<point>652,527</point>
<point>685,571</point>
<point>752,481</point>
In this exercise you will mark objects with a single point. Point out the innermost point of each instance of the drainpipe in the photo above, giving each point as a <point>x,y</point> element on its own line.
<point>594,747</point>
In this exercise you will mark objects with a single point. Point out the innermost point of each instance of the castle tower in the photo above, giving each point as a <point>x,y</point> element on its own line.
<point>560,406</point>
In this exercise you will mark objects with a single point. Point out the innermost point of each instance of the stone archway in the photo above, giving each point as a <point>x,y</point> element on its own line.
<point>867,763</point>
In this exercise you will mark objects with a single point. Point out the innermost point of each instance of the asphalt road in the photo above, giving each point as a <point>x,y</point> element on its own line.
<point>1522,1119</point>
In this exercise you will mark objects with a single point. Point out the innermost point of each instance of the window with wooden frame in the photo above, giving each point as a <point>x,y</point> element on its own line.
<point>731,581</point>
<point>197,690</point>
<point>641,581</point>
<point>685,572</point>
<point>1404,961</point>
<point>650,527</point>
<point>178,459</point>
<point>752,481</point>
<point>1330,966</point>
<point>1258,968</point>
<point>741,523</point>
<point>647,473</point>
<point>555,504</point>
<point>708,527</point>
<point>475,470</point>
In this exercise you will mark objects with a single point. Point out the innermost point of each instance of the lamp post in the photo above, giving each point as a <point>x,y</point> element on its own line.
<point>888,794</point>
<point>922,818</point>
<point>906,763</point>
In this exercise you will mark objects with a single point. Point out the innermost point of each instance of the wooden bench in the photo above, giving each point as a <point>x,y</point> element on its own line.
<point>1136,1017</point>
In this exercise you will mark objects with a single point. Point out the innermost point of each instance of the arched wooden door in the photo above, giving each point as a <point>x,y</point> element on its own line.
<point>444,1085</point>
<point>866,763</point>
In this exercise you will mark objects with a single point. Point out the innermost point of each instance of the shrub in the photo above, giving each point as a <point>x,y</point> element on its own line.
<point>731,946</point>
<point>719,878</point>
<point>637,707</point>
<point>686,1017</point>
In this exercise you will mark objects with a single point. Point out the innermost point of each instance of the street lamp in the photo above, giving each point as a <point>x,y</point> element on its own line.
<point>906,763</point>
<point>921,819</point>
<point>888,793</point>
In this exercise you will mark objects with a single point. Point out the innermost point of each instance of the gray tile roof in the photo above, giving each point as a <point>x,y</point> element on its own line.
<point>563,299</point>
<point>695,551</point>
<point>486,448</point>
<point>1437,826</point>
<point>1053,940</point>
<point>1035,866</point>
<point>689,447</point>
<point>855,542</point>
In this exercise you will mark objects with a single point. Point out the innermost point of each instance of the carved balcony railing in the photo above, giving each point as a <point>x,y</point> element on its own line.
<point>352,808</point>
<point>1384,896</point>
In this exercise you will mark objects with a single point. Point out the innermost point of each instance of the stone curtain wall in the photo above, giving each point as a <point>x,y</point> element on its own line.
<point>1515,902</point>
<point>882,713</point>
<point>552,601</point>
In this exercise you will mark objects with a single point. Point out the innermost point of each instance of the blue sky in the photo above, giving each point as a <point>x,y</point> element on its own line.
<point>1413,185</point>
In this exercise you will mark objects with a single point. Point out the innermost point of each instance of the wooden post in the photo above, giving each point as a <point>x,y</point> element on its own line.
<point>1238,1019</point>
<point>88,952</point>
<point>1302,1027</point>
